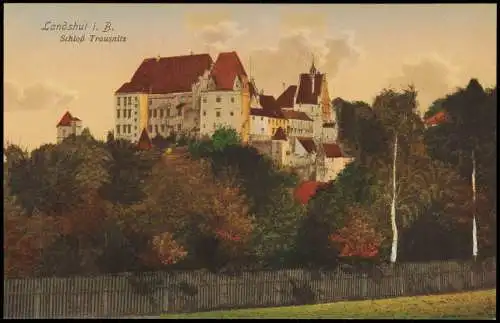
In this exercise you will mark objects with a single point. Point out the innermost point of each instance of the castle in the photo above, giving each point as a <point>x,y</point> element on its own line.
<point>193,95</point>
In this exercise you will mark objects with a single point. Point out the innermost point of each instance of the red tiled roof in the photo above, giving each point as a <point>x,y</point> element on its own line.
<point>436,119</point>
<point>227,67</point>
<point>297,115</point>
<point>306,190</point>
<point>285,100</point>
<point>167,74</point>
<point>144,141</point>
<point>280,135</point>
<point>66,120</point>
<point>332,150</point>
<point>308,144</point>
<point>305,94</point>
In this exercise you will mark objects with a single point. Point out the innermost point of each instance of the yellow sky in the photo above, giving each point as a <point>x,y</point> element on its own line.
<point>362,48</point>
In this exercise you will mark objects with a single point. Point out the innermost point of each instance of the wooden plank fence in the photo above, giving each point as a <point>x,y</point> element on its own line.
<point>175,292</point>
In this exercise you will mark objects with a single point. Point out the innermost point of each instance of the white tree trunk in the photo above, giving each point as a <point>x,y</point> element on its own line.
<point>394,249</point>
<point>474,226</point>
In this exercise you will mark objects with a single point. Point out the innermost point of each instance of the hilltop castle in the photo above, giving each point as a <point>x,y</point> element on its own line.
<point>193,95</point>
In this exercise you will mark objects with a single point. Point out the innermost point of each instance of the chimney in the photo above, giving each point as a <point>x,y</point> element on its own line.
<point>158,58</point>
<point>284,86</point>
<point>261,92</point>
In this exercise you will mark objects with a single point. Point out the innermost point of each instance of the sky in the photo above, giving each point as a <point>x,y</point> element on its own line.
<point>362,49</point>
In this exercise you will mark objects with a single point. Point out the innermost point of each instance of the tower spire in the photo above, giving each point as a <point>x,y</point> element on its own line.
<point>312,70</point>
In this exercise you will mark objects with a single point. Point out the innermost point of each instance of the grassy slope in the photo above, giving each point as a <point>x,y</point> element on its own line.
<point>471,305</point>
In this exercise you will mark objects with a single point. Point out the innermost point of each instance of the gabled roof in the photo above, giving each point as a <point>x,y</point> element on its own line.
<point>144,141</point>
<point>297,115</point>
<point>305,93</point>
<point>167,74</point>
<point>285,100</point>
<point>66,120</point>
<point>306,190</point>
<point>269,108</point>
<point>308,144</point>
<point>268,102</point>
<point>227,67</point>
<point>332,150</point>
<point>280,135</point>
<point>436,119</point>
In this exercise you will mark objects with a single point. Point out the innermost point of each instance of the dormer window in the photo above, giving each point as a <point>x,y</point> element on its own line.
<point>237,84</point>
<point>232,99</point>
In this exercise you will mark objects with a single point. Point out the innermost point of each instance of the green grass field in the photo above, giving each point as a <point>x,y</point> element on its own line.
<point>470,305</point>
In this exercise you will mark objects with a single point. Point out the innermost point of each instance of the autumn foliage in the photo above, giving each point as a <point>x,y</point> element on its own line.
<point>359,237</point>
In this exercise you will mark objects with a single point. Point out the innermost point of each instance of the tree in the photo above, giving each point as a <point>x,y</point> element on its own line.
<point>397,112</point>
<point>328,213</point>
<point>128,169</point>
<point>359,237</point>
<point>56,178</point>
<point>205,216</point>
<point>468,138</point>
<point>224,137</point>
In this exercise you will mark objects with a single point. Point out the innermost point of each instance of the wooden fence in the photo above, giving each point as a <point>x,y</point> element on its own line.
<point>174,292</point>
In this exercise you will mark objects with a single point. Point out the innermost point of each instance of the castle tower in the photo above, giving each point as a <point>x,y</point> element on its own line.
<point>245,109</point>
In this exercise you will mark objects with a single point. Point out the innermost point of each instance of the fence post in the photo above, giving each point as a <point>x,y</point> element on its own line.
<point>105,303</point>
<point>364,285</point>
<point>37,301</point>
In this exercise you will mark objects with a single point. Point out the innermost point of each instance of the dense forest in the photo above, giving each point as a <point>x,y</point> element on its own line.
<point>413,193</point>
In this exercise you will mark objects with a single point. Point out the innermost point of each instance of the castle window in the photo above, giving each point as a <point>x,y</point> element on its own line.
<point>118,114</point>
<point>118,101</point>
<point>150,101</point>
<point>156,128</point>
<point>129,128</point>
<point>155,113</point>
<point>129,113</point>
<point>204,99</point>
<point>232,99</point>
<point>261,118</point>
<point>217,114</point>
<point>231,113</point>
<point>124,127</point>
<point>118,130</point>
<point>204,112</point>
<point>217,99</point>
<point>149,113</point>
<point>161,113</point>
<point>168,112</point>
<point>129,100</point>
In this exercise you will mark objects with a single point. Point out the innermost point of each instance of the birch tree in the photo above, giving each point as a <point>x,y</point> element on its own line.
<point>470,125</point>
<point>397,112</point>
